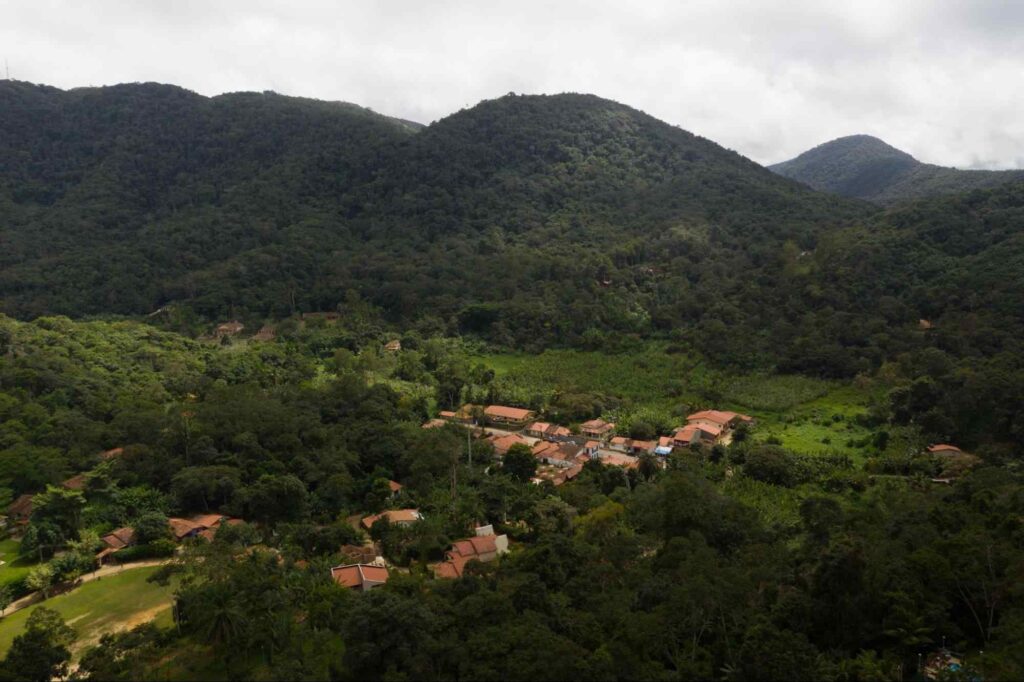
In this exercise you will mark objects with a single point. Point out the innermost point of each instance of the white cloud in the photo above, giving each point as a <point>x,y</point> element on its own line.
<point>938,79</point>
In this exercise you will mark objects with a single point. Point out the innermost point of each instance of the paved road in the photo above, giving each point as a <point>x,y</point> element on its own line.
<point>30,599</point>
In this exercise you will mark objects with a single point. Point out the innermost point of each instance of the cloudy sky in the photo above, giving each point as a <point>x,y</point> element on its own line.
<point>942,80</point>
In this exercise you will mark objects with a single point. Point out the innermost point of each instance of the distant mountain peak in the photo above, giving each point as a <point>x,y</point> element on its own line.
<point>866,167</point>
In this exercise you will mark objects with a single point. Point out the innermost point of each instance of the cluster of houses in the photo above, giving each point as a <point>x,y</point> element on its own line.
<point>561,452</point>
<point>370,570</point>
<point>202,525</point>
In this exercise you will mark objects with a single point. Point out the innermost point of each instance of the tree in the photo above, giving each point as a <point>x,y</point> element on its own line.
<point>277,498</point>
<point>519,462</point>
<point>151,526</point>
<point>6,597</point>
<point>61,507</point>
<point>41,652</point>
<point>771,464</point>
<point>40,579</point>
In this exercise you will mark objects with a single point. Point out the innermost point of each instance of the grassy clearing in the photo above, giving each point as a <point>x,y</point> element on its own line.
<point>116,602</point>
<point>14,569</point>
<point>807,415</point>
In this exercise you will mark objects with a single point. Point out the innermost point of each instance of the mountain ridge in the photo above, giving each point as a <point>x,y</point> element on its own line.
<point>865,167</point>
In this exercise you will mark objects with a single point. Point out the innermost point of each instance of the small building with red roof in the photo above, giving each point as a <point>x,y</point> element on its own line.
<point>400,517</point>
<point>503,443</point>
<point>363,577</point>
<point>483,547</point>
<point>944,449</point>
<point>509,416</point>
<point>597,429</point>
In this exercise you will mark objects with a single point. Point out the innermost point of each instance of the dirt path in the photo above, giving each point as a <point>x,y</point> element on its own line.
<point>35,597</point>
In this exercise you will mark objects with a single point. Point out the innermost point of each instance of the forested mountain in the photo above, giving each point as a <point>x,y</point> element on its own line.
<point>525,220</point>
<point>867,168</point>
<point>126,199</point>
<point>115,198</point>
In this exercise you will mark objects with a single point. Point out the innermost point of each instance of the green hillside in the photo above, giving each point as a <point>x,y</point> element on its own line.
<point>126,199</point>
<point>865,167</point>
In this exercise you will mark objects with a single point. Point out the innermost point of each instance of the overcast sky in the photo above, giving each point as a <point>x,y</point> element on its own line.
<point>942,80</point>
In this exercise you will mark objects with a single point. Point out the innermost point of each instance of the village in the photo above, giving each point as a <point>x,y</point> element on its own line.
<point>561,452</point>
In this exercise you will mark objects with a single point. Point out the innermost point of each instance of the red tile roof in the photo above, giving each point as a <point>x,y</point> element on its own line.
<point>75,482</point>
<point>503,443</point>
<point>943,447</point>
<point>21,506</point>
<point>208,520</point>
<point>111,454</point>
<point>616,460</point>
<point>511,413</point>
<point>182,527</point>
<point>357,575</point>
<point>720,417</point>
<point>393,516</point>
<point>394,486</point>
<point>119,539</point>
<point>434,424</point>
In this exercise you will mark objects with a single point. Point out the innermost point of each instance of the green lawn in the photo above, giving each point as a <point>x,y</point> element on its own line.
<point>119,601</point>
<point>13,569</point>
<point>809,416</point>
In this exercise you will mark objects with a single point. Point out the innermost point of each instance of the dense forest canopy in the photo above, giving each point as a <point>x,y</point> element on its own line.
<point>743,562</point>
<point>865,167</point>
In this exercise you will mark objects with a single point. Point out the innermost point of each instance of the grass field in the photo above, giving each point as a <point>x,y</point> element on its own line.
<point>807,415</point>
<point>13,569</point>
<point>115,602</point>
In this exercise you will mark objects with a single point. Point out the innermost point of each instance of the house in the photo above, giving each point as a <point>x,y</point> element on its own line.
<point>393,346</point>
<point>502,444</point>
<point>119,539</point>
<point>394,486</point>
<point>363,577</point>
<point>399,517</point>
<point>433,424</point>
<point>665,446</point>
<point>266,333</point>
<point>556,454</point>
<point>944,449</point>
<point>115,541</point>
<point>183,528</point>
<point>20,510</point>
<point>113,454</point>
<point>591,448</point>
<point>231,328</point>
<point>208,520</point>
<point>75,482</point>
<point>597,429</point>
<point>696,434</point>
<point>558,475</point>
<point>614,459</point>
<point>480,547</point>
<point>548,431</point>
<point>723,420</point>
<point>632,447</point>
<point>509,416</point>
<point>925,325</point>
